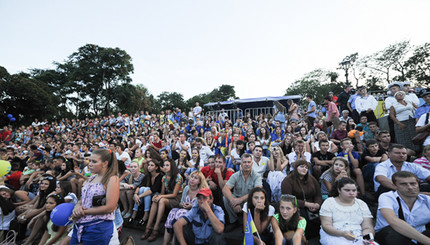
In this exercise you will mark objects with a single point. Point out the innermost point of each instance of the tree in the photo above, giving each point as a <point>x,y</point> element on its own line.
<point>130,99</point>
<point>26,98</point>
<point>418,64</point>
<point>95,72</point>
<point>391,59</point>
<point>316,83</point>
<point>348,63</point>
<point>171,100</point>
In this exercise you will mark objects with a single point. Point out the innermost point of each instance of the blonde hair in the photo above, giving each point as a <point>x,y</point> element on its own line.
<point>203,183</point>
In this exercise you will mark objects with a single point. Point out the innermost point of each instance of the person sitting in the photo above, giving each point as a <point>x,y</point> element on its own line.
<point>203,224</point>
<point>340,133</point>
<point>322,159</point>
<point>353,157</point>
<point>323,136</point>
<point>371,157</point>
<point>344,218</point>
<point>261,211</point>
<point>217,179</point>
<point>308,192</point>
<point>128,186</point>
<point>424,161</point>
<point>299,153</point>
<point>237,188</point>
<point>397,162</point>
<point>339,169</point>
<point>287,225</point>
<point>403,214</point>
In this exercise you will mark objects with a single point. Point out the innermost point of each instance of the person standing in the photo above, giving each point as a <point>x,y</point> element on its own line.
<point>197,111</point>
<point>343,98</point>
<point>366,104</point>
<point>311,111</point>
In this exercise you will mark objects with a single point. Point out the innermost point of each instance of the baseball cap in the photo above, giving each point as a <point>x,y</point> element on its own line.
<point>204,192</point>
<point>399,84</point>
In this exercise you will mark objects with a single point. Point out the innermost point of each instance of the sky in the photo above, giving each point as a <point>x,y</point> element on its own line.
<point>191,47</point>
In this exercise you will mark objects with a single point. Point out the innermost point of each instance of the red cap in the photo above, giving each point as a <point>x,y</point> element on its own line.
<point>205,192</point>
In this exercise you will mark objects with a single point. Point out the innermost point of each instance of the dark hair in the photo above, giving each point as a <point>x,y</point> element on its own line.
<point>65,186</point>
<point>383,132</point>
<point>344,140</point>
<point>327,98</point>
<point>371,142</point>
<point>33,147</point>
<point>69,167</point>
<point>403,174</point>
<point>291,225</point>
<point>173,174</point>
<point>121,167</point>
<point>373,123</point>
<point>199,140</point>
<point>112,168</point>
<point>258,146</point>
<point>43,194</point>
<point>220,157</point>
<point>339,184</point>
<point>396,146</point>
<point>309,96</point>
<point>264,214</point>
<point>246,155</point>
<point>322,141</point>
<point>197,163</point>
<point>59,199</point>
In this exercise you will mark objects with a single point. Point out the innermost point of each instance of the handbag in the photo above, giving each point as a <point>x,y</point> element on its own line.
<point>421,137</point>
<point>99,200</point>
<point>311,215</point>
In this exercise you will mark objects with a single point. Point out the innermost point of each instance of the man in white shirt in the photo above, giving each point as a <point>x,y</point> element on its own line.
<point>410,96</point>
<point>366,104</point>
<point>299,153</point>
<point>204,151</point>
<point>122,155</point>
<point>397,162</point>
<point>403,214</point>
<point>259,162</point>
<point>197,111</point>
<point>181,143</point>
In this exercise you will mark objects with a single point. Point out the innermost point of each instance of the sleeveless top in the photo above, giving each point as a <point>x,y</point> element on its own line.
<point>88,191</point>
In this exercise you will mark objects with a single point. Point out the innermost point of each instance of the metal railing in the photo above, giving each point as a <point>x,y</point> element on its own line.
<point>232,114</point>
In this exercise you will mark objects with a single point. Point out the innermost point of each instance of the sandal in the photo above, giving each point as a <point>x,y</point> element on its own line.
<point>142,222</point>
<point>153,236</point>
<point>146,234</point>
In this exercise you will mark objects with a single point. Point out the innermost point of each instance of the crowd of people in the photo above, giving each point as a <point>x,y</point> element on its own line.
<point>301,173</point>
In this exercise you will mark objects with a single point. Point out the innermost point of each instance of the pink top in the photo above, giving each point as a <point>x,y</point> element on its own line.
<point>332,111</point>
<point>423,162</point>
<point>88,191</point>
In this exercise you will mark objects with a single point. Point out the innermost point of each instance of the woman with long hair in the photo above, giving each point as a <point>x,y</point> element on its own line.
<point>259,206</point>
<point>278,169</point>
<point>339,169</point>
<point>264,138</point>
<point>127,189</point>
<point>171,192</point>
<point>306,188</point>
<point>288,226</point>
<point>95,212</point>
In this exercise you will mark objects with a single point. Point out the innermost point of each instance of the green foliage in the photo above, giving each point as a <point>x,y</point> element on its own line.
<point>171,100</point>
<point>418,65</point>
<point>316,83</point>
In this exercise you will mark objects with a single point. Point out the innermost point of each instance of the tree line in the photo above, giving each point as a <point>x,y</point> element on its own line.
<point>398,62</point>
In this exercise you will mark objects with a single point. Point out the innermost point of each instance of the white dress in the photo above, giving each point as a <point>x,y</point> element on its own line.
<point>345,218</point>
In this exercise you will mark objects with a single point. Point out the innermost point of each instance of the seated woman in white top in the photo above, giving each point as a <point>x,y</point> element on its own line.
<point>344,218</point>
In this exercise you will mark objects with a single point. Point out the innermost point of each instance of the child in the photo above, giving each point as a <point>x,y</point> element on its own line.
<point>261,212</point>
<point>353,157</point>
<point>53,234</point>
<point>424,160</point>
<point>339,169</point>
<point>288,226</point>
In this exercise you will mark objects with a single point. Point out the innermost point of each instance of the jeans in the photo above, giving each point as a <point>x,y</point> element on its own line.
<point>145,200</point>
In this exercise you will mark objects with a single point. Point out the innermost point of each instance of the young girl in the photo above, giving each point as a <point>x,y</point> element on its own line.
<point>195,161</point>
<point>264,138</point>
<point>150,185</point>
<point>7,211</point>
<point>236,154</point>
<point>183,162</point>
<point>65,188</point>
<point>339,169</point>
<point>95,213</point>
<point>169,197</point>
<point>261,212</point>
<point>128,185</point>
<point>288,226</point>
<point>53,234</point>
<point>196,182</point>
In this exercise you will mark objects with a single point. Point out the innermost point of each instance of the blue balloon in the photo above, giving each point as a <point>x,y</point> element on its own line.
<point>61,213</point>
<point>12,119</point>
<point>9,116</point>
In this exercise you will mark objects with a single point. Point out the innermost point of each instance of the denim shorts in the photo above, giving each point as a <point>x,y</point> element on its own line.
<point>99,233</point>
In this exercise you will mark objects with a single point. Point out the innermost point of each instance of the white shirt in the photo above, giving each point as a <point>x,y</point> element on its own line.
<point>196,110</point>
<point>186,143</point>
<point>422,122</point>
<point>418,217</point>
<point>261,166</point>
<point>403,112</point>
<point>387,169</point>
<point>124,155</point>
<point>362,104</point>
<point>413,98</point>
<point>292,157</point>
<point>205,153</point>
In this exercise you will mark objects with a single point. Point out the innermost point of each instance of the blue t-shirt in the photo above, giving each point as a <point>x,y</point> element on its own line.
<point>352,99</point>
<point>354,154</point>
<point>312,114</point>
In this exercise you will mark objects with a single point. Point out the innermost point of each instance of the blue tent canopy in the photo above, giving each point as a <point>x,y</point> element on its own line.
<point>253,102</point>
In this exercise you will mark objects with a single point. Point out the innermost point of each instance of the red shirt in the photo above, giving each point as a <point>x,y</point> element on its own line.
<point>13,179</point>
<point>206,171</point>
<point>226,174</point>
<point>6,135</point>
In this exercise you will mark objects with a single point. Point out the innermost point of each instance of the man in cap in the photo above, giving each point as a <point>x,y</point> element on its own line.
<point>203,224</point>
<point>425,108</point>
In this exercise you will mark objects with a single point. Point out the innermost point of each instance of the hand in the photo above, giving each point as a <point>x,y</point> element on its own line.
<point>136,199</point>
<point>156,198</point>
<point>259,207</point>
<point>217,171</point>
<point>348,235</point>
<point>204,206</point>
<point>78,212</point>
<point>22,219</point>
<point>402,126</point>
<point>235,202</point>
<point>212,185</point>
